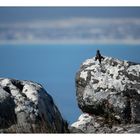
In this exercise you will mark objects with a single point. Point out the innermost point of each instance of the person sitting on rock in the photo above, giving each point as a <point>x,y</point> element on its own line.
<point>99,56</point>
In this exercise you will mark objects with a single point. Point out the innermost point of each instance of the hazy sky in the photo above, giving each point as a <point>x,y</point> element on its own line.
<point>13,14</point>
<point>67,22</point>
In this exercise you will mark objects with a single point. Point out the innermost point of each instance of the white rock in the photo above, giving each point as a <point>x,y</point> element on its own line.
<point>27,107</point>
<point>109,87</point>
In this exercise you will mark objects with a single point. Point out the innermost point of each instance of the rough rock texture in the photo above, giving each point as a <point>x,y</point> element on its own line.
<point>110,90</point>
<point>96,124</point>
<point>25,107</point>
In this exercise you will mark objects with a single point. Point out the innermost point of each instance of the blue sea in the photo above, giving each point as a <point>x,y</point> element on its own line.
<point>55,67</point>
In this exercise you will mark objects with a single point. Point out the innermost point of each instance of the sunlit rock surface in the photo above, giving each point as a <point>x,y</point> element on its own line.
<point>110,90</point>
<point>25,107</point>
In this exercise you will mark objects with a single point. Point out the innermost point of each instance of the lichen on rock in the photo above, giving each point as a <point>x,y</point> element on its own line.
<point>110,90</point>
<point>25,107</point>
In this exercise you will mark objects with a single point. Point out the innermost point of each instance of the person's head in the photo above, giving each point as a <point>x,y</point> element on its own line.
<point>98,51</point>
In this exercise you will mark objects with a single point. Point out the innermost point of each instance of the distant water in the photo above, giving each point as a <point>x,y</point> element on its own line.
<point>55,66</point>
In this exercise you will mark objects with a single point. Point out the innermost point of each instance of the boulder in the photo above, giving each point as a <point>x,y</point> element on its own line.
<point>96,124</point>
<point>25,107</point>
<point>110,89</point>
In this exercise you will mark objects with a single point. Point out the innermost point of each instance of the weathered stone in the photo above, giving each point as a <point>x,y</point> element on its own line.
<point>110,89</point>
<point>25,107</point>
<point>96,124</point>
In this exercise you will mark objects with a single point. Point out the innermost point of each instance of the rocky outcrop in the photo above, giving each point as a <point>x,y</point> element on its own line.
<point>96,124</point>
<point>25,107</point>
<point>111,91</point>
